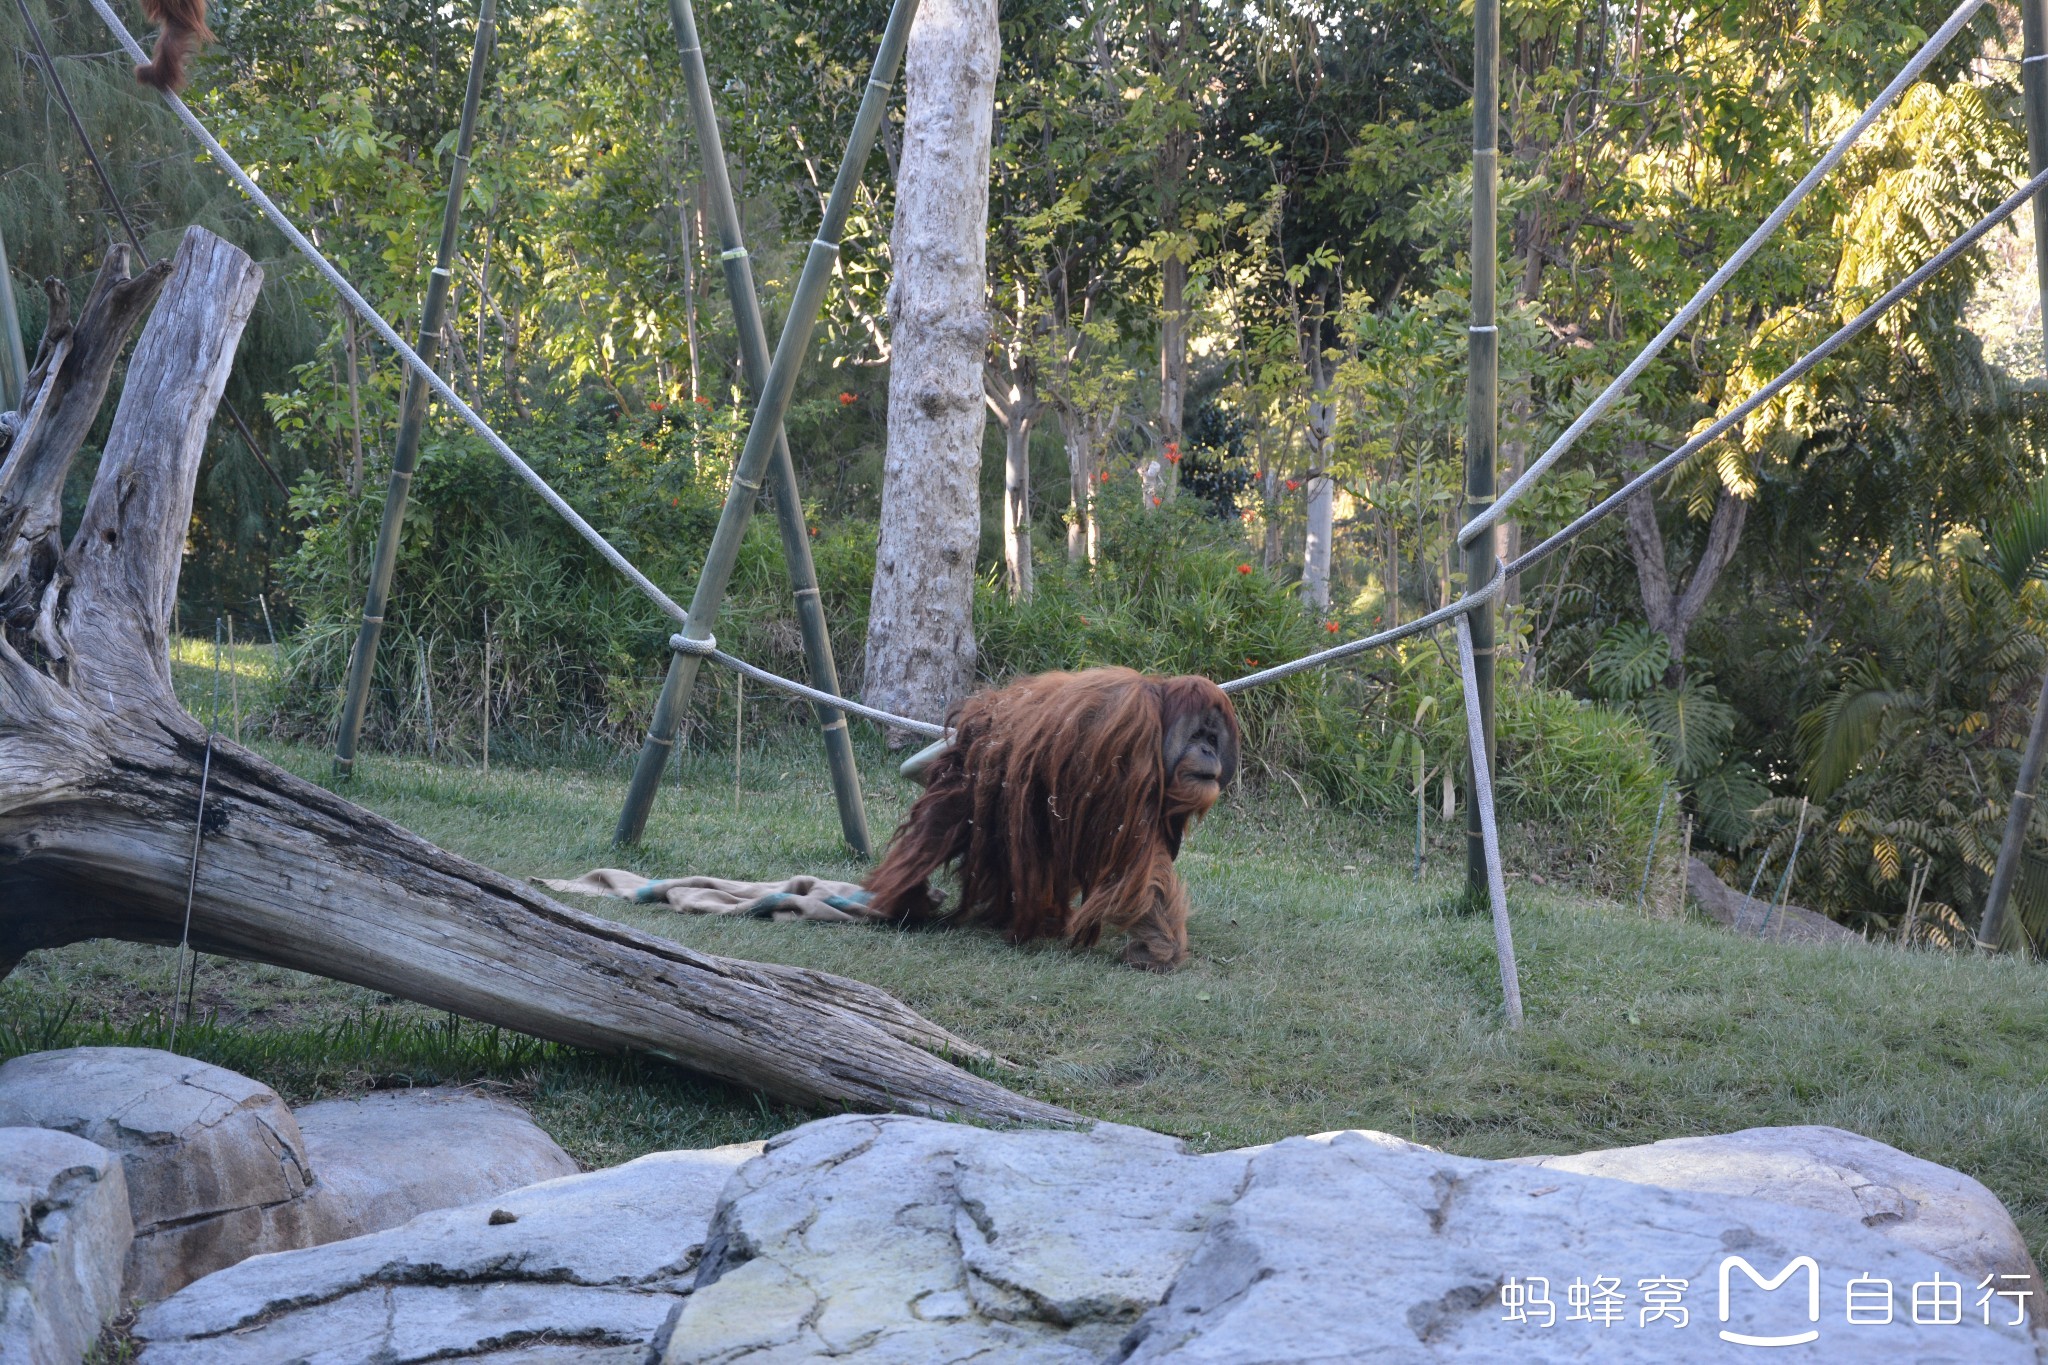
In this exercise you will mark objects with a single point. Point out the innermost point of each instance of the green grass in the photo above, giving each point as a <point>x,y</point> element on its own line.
<point>1326,989</point>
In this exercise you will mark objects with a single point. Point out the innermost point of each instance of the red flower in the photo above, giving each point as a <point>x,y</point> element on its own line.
<point>1293,484</point>
<point>675,502</point>
<point>1173,450</point>
<point>1244,568</point>
<point>1104,476</point>
<point>847,400</point>
<point>1155,502</point>
<point>814,533</point>
<point>657,407</point>
<point>1330,626</point>
<point>702,399</point>
<point>1251,663</point>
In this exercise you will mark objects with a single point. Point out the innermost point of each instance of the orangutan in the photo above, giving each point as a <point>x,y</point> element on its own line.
<point>1061,804</point>
<point>182,25</point>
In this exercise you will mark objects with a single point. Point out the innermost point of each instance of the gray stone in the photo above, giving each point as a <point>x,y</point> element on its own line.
<point>895,1239</point>
<point>64,1236</point>
<point>1941,1211</point>
<point>886,1240</point>
<point>387,1157</point>
<point>214,1161</point>
<point>587,1268</point>
<point>1349,1251</point>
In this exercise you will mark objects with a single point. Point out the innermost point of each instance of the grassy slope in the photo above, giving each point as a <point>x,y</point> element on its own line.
<point>1327,989</point>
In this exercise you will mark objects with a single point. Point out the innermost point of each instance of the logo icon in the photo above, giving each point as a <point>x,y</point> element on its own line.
<point>1798,1264</point>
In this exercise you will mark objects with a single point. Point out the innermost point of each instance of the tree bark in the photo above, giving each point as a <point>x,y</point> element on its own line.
<point>1322,490</point>
<point>1077,430</point>
<point>100,771</point>
<point>921,650</point>
<point>1668,610</point>
<point>1016,411</point>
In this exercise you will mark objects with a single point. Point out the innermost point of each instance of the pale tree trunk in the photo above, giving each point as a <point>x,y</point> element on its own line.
<point>1173,361</point>
<point>1077,430</point>
<point>1669,610</point>
<point>921,652</point>
<point>1322,490</point>
<point>100,773</point>
<point>1016,408</point>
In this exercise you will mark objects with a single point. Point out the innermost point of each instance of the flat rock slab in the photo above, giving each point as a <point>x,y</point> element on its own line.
<point>587,1268</point>
<point>882,1239</point>
<point>214,1161</point>
<point>387,1157</point>
<point>64,1236</point>
<point>1941,1211</point>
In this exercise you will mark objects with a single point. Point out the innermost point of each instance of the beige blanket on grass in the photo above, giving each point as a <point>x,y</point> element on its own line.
<point>810,898</point>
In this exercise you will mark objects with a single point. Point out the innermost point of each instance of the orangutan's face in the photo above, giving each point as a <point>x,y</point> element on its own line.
<point>1201,751</point>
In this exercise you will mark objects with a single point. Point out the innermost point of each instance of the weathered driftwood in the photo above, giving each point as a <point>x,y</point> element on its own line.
<point>99,777</point>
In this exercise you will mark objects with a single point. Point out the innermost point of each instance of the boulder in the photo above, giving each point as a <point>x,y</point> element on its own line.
<point>64,1236</point>
<point>391,1155</point>
<point>926,1241</point>
<point>214,1161</point>
<point>1351,1251</point>
<point>588,1268</point>
<point>1941,1211</point>
<point>887,1239</point>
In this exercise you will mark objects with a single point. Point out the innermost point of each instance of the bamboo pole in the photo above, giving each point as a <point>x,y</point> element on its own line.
<point>413,413</point>
<point>13,361</point>
<point>2019,816</point>
<point>789,511</point>
<point>1482,391</point>
<point>769,409</point>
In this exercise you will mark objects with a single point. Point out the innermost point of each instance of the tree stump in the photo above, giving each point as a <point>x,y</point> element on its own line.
<point>100,771</point>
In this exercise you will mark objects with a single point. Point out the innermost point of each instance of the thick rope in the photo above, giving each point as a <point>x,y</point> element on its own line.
<point>1489,832</point>
<point>710,650</point>
<point>1693,308</point>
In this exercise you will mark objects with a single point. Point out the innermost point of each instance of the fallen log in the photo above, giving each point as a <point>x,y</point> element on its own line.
<point>100,772</point>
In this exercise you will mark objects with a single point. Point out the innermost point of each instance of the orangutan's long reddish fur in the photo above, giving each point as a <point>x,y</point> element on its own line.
<point>183,25</point>
<point>1055,805</point>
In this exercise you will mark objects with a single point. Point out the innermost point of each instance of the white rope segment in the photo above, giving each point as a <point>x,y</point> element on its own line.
<point>1698,303</point>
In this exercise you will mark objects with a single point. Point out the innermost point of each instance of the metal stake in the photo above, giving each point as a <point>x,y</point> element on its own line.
<point>189,977</point>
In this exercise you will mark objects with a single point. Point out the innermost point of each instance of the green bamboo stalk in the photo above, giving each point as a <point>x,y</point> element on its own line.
<point>1482,398</point>
<point>769,410</point>
<point>13,362</point>
<point>789,511</point>
<point>413,413</point>
<point>2019,816</point>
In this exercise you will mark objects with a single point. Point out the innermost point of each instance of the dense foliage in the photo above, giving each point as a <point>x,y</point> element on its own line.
<point>1267,204</point>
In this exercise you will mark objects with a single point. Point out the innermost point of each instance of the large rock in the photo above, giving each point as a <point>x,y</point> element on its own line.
<point>388,1157</point>
<point>902,1240</point>
<point>588,1268</point>
<point>1351,1251</point>
<point>1941,1211</point>
<point>64,1235</point>
<point>912,1240</point>
<point>214,1161</point>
